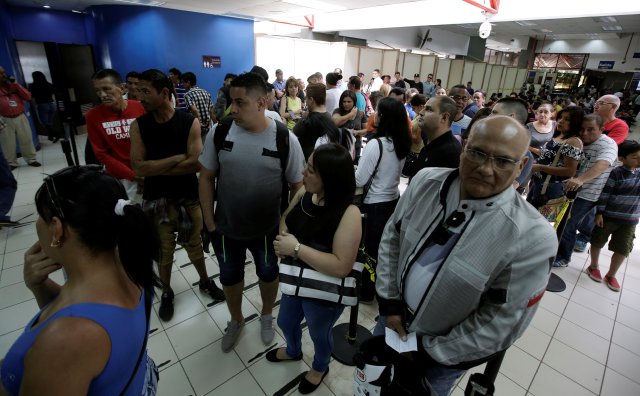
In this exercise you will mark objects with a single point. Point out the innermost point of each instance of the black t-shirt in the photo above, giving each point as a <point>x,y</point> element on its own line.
<point>42,93</point>
<point>443,152</point>
<point>163,141</point>
<point>310,129</point>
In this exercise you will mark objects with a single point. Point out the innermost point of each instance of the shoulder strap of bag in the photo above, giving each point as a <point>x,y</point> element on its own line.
<point>553,164</point>
<point>147,311</point>
<point>282,145</point>
<point>365,189</point>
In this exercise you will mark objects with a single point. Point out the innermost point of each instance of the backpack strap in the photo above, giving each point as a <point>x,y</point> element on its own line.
<point>221,132</point>
<point>282,145</point>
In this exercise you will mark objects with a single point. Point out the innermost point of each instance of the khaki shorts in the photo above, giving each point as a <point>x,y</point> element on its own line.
<point>622,236</point>
<point>167,233</point>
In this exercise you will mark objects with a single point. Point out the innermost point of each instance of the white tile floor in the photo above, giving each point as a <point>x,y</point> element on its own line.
<point>583,341</point>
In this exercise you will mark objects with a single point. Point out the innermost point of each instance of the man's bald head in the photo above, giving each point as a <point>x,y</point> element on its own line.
<point>504,128</point>
<point>503,139</point>
<point>606,106</point>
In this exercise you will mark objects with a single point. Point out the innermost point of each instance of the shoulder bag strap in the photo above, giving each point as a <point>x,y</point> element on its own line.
<point>147,310</point>
<point>365,189</point>
<point>553,164</point>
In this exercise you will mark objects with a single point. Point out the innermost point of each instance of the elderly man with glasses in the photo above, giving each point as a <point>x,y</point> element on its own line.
<point>615,128</point>
<point>464,260</point>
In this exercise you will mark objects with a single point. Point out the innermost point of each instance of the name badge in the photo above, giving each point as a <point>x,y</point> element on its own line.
<point>13,103</point>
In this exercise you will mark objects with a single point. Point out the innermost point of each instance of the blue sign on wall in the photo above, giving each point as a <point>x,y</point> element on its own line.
<point>606,65</point>
<point>636,55</point>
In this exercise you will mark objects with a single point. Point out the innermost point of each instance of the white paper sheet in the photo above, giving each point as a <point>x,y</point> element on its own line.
<point>394,341</point>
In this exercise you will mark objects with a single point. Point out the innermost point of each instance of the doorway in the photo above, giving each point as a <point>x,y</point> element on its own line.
<point>68,67</point>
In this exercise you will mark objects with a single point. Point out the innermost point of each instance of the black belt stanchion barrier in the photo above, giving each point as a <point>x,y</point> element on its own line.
<point>347,337</point>
<point>68,142</point>
<point>483,384</point>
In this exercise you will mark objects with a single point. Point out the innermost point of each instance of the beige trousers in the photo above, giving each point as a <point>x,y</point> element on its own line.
<point>19,128</point>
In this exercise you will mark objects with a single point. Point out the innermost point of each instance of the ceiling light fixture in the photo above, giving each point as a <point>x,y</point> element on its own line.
<point>606,19</point>
<point>612,28</point>
<point>46,6</point>
<point>149,3</point>
<point>316,4</point>
<point>525,23</point>
<point>77,12</point>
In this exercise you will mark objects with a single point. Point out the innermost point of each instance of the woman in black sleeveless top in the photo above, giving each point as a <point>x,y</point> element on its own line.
<point>322,229</point>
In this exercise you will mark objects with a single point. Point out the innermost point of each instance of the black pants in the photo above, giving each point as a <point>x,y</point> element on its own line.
<point>377,216</point>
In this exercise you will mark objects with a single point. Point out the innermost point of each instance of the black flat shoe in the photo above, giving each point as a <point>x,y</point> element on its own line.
<point>272,356</point>
<point>307,387</point>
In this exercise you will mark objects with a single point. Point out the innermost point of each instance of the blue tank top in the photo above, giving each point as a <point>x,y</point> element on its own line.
<point>126,328</point>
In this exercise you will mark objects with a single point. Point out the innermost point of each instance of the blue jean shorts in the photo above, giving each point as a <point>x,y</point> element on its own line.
<point>232,254</point>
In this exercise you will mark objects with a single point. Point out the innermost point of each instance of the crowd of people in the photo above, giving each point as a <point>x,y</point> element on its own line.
<point>269,168</point>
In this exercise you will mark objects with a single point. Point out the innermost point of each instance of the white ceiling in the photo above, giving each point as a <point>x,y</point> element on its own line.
<point>502,36</point>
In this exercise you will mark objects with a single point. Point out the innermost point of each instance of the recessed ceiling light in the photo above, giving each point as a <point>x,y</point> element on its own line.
<point>46,6</point>
<point>612,28</point>
<point>77,12</point>
<point>150,3</point>
<point>525,23</point>
<point>316,4</point>
<point>605,19</point>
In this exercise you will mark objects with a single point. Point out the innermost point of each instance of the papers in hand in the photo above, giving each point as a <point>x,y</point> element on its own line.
<point>394,341</point>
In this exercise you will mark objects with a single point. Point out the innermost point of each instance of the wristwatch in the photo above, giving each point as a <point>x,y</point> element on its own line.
<point>296,250</point>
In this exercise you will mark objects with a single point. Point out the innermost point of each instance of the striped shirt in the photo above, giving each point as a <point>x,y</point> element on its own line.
<point>603,149</point>
<point>180,92</point>
<point>620,198</point>
<point>201,100</point>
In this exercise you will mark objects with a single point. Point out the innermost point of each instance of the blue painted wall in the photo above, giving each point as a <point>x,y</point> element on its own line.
<point>8,55</point>
<point>137,38</point>
<point>140,38</point>
<point>40,24</point>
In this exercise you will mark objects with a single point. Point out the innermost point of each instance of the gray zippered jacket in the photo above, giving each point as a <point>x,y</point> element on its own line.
<point>487,289</point>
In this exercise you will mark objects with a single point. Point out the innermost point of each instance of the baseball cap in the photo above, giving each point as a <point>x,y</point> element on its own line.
<point>417,75</point>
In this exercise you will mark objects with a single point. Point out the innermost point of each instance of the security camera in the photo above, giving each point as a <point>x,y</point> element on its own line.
<point>485,29</point>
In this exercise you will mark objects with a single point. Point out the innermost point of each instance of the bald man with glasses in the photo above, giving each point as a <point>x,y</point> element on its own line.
<point>606,107</point>
<point>464,260</point>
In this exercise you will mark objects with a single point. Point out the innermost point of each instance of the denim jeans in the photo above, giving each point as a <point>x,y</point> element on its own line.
<point>232,254</point>
<point>441,378</point>
<point>377,216</point>
<point>46,112</point>
<point>320,318</point>
<point>579,210</point>
<point>586,227</point>
<point>8,188</point>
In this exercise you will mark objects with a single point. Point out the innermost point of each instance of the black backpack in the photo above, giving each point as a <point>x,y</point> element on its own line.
<point>282,147</point>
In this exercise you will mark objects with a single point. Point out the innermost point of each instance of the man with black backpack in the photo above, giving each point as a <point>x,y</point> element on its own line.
<point>253,159</point>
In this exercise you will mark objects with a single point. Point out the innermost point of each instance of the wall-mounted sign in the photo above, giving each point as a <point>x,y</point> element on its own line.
<point>211,62</point>
<point>636,54</point>
<point>606,65</point>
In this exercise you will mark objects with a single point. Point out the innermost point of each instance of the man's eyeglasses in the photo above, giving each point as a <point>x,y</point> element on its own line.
<point>50,185</point>
<point>499,163</point>
<point>458,97</point>
<point>601,103</point>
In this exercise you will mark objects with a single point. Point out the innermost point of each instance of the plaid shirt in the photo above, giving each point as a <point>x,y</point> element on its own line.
<point>201,99</point>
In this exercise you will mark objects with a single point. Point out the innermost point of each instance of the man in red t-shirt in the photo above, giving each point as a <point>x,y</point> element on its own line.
<point>17,126</point>
<point>108,128</point>
<point>615,128</point>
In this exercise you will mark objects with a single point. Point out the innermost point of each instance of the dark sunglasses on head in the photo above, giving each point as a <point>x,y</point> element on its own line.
<point>50,185</point>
